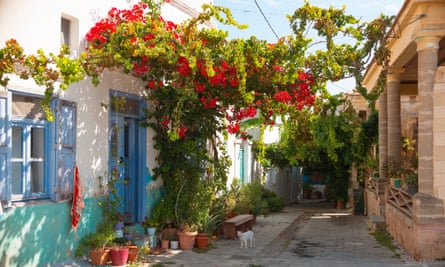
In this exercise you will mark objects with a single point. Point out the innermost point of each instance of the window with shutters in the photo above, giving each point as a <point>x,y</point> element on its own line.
<point>36,156</point>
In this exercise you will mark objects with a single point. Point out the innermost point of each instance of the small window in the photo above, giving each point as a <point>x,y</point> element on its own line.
<point>28,159</point>
<point>65,32</point>
<point>28,148</point>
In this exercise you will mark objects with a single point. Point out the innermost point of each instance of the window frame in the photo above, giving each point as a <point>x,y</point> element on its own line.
<point>59,159</point>
<point>27,159</point>
<point>73,34</point>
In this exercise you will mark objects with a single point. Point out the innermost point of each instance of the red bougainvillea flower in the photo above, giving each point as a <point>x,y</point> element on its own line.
<point>283,97</point>
<point>214,79</point>
<point>183,67</point>
<point>199,88</point>
<point>151,84</point>
<point>208,103</point>
<point>140,68</point>
<point>182,131</point>
<point>233,128</point>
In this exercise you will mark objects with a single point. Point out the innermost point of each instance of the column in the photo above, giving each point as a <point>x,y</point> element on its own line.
<point>439,133</point>
<point>427,50</point>
<point>394,121</point>
<point>383,133</point>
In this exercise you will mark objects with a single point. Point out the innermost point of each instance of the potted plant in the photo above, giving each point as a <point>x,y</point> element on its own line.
<point>165,239</point>
<point>207,225</point>
<point>96,244</point>
<point>174,243</point>
<point>307,190</point>
<point>167,234</point>
<point>119,251</point>
<point>412,182</point>
<point>133,252</point>
<point>150,226</point>
<point>187,236</point>
<point>393,171</point>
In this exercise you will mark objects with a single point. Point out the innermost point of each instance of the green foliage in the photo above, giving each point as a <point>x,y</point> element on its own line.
<point>274,202</point>
<point>191,164</point>
<point>275,156</point>
<point>251,194</point>
<point>163,211</point>
<point>338,59</point>
<point>207,222</point>
<point>386,240</point>
<point>412,179</point>
<point>97,240</point>
<point>365,158</point>
<point>255,198</point>
<point>109,207</point>
<point>392,168</point>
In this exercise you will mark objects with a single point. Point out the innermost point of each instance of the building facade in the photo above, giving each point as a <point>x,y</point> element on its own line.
<point>412,106</point>
<point>38,158</point>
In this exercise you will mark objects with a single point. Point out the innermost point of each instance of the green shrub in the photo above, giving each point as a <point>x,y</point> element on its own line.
<point>275,204</point>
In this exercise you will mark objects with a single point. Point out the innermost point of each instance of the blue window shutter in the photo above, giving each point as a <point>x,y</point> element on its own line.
<point>4,150</point>
<point>65,150</point>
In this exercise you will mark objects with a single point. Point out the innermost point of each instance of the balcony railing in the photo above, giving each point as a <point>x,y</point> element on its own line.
<point>401,200</point>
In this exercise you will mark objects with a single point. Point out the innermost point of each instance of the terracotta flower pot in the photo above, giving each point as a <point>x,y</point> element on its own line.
<point>202,240</point>
<point>133,252</point>
<point>164,243</point>
<point>187,240</point>
<point>99,256</point>
<point>340,204</point>
<point>307,194</point>
<point>119,256</point>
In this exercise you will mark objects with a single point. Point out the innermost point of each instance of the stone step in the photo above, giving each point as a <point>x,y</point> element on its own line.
<point>377,223</point>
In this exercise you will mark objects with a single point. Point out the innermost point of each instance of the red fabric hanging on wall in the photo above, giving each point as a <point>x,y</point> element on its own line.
<point>78,204</point>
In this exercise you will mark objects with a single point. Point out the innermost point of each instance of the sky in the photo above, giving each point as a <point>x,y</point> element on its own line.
<point>275,11</point>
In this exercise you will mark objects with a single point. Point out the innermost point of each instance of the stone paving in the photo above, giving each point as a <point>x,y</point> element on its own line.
<point>310,234</point>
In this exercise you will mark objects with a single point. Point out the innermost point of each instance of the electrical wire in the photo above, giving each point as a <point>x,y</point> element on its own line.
<point>265,18</point>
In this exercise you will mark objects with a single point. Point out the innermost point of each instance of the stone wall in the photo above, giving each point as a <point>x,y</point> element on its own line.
<point>371,203</point>
<point>400,227</point>
<point>422,236</point>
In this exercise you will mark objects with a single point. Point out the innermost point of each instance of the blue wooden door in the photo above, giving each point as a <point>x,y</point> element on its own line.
<point>130,168</point>
<point>123,163</point>
<point>127,160</point>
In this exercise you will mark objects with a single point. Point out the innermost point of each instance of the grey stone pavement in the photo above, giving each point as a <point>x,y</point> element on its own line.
<point>310,234</point>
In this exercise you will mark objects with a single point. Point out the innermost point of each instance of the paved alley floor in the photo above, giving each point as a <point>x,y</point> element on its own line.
<point>310,234</point>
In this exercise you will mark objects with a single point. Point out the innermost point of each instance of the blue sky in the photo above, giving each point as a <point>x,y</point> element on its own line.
<point>247,12</point>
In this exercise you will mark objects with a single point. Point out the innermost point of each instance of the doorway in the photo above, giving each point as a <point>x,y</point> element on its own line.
<point>127,157</point>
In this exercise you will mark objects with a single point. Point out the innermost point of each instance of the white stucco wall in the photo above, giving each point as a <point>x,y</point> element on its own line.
<point>36,25</point>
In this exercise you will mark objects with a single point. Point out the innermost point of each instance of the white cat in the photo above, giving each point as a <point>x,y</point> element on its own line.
<point>245,237</point>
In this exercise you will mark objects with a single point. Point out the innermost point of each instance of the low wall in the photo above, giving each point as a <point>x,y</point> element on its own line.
<point>40,234</point>
<point>422,236</point>
<point>400,227</point>
<point>371,203</point>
